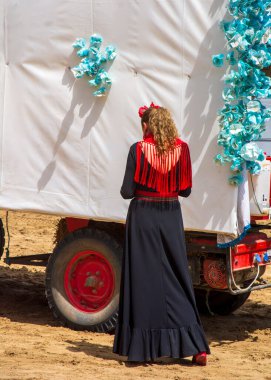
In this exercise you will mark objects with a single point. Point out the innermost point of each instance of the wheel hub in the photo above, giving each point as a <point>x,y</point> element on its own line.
<point>89,281</point>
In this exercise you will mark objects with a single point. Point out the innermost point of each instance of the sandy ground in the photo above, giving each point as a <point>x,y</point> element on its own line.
<point>34,346</point>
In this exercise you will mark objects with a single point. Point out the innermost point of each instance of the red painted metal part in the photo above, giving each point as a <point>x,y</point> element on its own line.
<point>89,281</point>
<point>76,223</point>
<point>214,272</point>
<point>243,253</point>
<point>202,241</point>
<point>253,218</point>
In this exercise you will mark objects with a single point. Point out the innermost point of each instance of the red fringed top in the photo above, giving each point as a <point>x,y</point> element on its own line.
<point>166,174</point>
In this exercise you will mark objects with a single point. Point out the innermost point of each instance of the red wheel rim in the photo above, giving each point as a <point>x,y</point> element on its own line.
<point>89,281</point>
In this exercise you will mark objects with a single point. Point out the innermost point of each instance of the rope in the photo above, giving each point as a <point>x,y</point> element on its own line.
<point>250,285</point>
<point>254,196</point>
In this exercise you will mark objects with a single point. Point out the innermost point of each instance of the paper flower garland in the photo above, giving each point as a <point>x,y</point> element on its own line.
<point>243,116</point>
<point>93,62</point>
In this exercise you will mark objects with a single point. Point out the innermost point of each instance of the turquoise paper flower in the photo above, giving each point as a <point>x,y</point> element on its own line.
<point>242,118</point>
<point>236,179</point>
<point>218,60</point>
<point>251,152</point>
<point>93,62</point>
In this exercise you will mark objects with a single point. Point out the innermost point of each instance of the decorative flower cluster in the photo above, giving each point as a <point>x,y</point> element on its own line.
<point>243,116</point>
<point>93,62</point>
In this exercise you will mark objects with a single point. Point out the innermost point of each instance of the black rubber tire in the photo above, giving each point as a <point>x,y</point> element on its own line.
<point>61,231</point>
<point>102,321</point>
<point>2,238</point>
<point>220,303</point>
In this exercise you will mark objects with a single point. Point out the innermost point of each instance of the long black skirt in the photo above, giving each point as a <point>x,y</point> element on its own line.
<point>158,315</point>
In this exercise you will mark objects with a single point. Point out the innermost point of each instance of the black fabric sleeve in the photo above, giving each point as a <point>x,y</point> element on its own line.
<point>185,193</point>
<point>127,190</point>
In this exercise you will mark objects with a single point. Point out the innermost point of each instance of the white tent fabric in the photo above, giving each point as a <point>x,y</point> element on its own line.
<point>243,216</point>
<point>64,151</point>
<point>265,142</point>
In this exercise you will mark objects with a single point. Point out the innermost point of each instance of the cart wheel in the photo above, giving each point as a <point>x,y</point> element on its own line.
<point>220,303</point>
<point>83,280</point>
<point>2,238</point>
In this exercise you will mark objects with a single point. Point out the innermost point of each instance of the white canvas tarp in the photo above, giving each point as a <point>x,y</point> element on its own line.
<point>64,151</point>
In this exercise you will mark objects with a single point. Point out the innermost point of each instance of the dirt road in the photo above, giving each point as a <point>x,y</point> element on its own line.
<point>34,346</point>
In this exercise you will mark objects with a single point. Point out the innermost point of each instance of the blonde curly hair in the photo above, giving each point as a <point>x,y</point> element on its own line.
<point>162,126</point>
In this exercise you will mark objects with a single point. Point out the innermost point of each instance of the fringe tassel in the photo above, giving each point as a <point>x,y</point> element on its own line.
<point>162,172</point>
<point>185,170</point>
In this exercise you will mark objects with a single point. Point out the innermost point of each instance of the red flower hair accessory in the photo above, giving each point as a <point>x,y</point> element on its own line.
<point>144,108</point>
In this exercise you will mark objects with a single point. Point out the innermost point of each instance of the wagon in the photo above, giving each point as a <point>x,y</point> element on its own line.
<point>63,150</point>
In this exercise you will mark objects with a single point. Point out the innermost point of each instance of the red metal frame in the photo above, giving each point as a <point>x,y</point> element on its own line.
<point>253,218</point>
<point>204,241</point>
<point>243,254</point>
<point>76,223</point>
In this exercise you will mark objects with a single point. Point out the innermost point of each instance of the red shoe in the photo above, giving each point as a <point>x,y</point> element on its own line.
<point>200,359</point>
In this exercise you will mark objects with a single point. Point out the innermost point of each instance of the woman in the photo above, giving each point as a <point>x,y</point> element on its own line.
<point>157,309</point>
